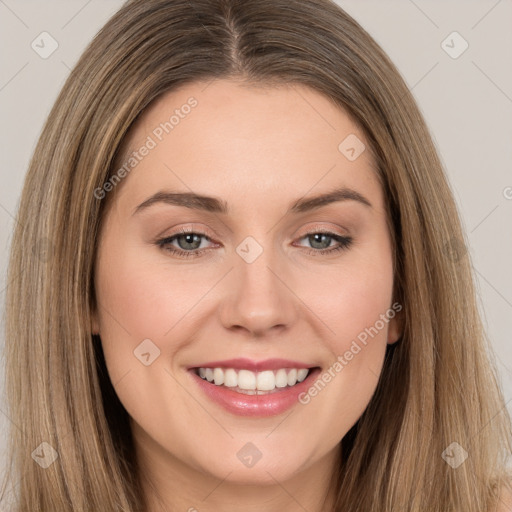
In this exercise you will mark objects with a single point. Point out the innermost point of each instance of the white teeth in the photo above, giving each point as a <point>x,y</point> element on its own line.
<point>246,379</point>
<point>302,374</point>
<point>281,378</point>
<point>253,382</point>
<point>230,378</point>
<point>265,381</point>
<point>292,377</point>
<point>218,376</point>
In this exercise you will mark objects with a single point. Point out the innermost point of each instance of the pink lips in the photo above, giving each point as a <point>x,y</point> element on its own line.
<point>241,363</point>
<point>270,404</point>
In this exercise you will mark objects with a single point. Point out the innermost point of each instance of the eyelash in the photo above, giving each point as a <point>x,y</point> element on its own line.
<point>344,243</point>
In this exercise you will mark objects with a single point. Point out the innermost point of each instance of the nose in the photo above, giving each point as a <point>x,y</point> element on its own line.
<point>258,296</point>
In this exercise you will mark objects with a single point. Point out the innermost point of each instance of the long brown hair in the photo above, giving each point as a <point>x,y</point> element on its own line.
<point>439,382</point>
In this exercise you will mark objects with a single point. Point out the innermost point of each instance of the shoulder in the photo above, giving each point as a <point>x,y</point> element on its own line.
<point>505,501</point>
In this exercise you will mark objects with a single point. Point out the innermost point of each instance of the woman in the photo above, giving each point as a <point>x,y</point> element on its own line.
<point>255,291</point>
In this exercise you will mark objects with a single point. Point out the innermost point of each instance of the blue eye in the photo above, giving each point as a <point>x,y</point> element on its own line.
<point>189,243</point>
<point>344,242</point>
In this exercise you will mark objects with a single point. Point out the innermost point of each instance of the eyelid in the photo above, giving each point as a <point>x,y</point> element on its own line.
<point>203,230</point>
<point>183,229</point>
<point>323,228</point>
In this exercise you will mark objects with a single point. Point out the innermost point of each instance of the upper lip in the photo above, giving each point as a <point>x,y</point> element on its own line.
<point>241,363</point>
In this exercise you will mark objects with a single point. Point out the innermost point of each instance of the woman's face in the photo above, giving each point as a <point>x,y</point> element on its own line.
<point>253,279</point>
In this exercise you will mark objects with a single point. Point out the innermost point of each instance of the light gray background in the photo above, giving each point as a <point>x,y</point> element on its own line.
<point>467,103</point>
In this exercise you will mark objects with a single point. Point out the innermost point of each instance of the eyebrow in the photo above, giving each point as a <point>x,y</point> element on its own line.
<point>216,205</point>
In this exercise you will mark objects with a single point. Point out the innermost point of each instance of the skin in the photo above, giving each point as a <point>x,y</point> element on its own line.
<point>259,149</point>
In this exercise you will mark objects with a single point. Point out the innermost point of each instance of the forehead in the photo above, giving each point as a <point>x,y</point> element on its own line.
<point>226,137</point>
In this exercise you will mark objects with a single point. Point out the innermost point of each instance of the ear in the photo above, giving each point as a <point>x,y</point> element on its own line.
<point>395,328</point>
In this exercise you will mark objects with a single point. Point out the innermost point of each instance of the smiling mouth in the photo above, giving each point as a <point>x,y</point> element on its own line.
<point>254,383</point>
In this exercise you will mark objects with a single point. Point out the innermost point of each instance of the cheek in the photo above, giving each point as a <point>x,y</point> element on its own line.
<point>355,306</point>
<point>139,302</point>
<point>140,299</point>
<point>360,301</point>
<point>351,298</point>
<point>129,306</point>
<point>357,311</point>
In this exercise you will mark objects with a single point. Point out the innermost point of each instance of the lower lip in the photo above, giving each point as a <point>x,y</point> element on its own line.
<point>255,405</point>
